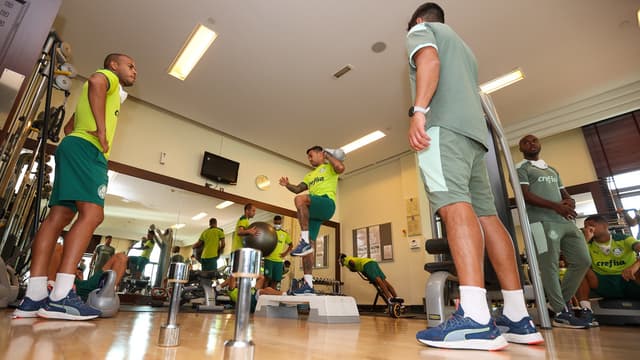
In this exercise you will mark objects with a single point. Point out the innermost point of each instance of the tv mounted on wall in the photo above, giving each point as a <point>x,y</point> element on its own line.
<point>219,169</point>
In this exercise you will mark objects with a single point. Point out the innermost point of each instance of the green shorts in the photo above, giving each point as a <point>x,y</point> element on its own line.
<point>80,174</point>
<point>372,270</point>
<point>141,263</point>
<point>209,264</point>
<point>84,287</point>
<point>615,287</point>
<point>453,170</point>
<point>273,269</point>
<point>320,210</point>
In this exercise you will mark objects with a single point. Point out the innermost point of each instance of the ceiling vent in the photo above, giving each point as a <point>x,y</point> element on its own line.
<point>342,71</point>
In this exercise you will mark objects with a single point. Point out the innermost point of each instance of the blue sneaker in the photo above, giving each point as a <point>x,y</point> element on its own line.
<point>304,290</point>
<point>521,332</point>
<point>69,308</point>
<point>587,315</point>
<point>567,319</point>
<point>303,248</point>
<point>28,308</point>
<point>459,332</point>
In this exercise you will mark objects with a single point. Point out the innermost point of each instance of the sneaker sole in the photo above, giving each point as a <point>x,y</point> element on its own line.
<point>526,339</point>
<point>568,326</point>
<point>496,344</point>
<point>305,294</point>
<point>63,316</point>
<point>307,252</point>
<point>24,314</point>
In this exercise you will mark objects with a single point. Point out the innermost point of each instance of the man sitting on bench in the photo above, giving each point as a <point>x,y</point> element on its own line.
<point>372,272</point>
<point>614,266</point>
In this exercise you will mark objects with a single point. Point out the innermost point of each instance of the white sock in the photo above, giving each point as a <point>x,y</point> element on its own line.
<point>37,288</point>
<point>514,306</point>
<point>305,235</point>
<point>585,304</point>
<point>473,300</point>
<point>308,278</point>
<point>64,284</point>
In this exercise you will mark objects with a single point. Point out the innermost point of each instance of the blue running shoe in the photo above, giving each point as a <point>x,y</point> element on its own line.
<point>303,248</point>
<point>459,332</point>
<point>28,308</point>
<point>304,290</point>
<point>521,332</point>
<point>69,308</point>
<point>587,315</point>
<point>567,319</point>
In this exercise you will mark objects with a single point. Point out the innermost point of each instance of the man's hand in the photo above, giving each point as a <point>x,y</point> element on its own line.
<point>629,274</point>
<point>102,138</point>
<point>589,232</point>
<point>565,211</point>
<point>284,181</point>
<point>418,138</point>
<point>569,202</point>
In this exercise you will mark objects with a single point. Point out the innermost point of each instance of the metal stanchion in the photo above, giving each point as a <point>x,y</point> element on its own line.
<point>245,265</point>
<point>170,332</point>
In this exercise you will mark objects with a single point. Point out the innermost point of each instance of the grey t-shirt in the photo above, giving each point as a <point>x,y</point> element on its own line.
<point>456,104</point>
<point>103,254</point>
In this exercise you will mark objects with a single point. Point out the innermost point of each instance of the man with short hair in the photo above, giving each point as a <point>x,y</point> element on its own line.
<point>550,209</point>
<point>451,148</point>
<point>79,187</point>
<point>274,262</point>
<point>614,271</point>
<point>212,243</point>
<point>101,255</point>
<point>371,270</point>
<point>242,227</point>
<point>315,207</point>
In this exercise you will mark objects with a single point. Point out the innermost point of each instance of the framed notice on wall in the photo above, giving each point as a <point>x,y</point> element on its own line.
<point>373,242</point>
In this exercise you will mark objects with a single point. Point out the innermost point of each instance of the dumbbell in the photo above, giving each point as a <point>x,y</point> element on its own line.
<point>336,153</point>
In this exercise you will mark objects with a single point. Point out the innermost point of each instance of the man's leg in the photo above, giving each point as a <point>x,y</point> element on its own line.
<point>118,263</point>
<point>54,263</point>
<point>590,281</point>
<point>576,255</point>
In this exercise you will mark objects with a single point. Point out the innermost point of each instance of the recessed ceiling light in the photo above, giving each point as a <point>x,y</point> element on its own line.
<point>502,81</point>
<point>224,204</point>
<point>378,47</point>
<point>199,216</point>
<point>196,45</point>
<point>365,140</point>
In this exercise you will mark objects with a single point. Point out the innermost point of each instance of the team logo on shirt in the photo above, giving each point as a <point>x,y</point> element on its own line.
<point>102,191</point>
<point>617,252</point>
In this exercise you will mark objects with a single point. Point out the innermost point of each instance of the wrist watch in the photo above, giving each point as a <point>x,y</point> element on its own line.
<point>415,109</point>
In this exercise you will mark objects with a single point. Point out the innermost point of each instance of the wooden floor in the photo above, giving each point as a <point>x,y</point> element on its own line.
<point>133,335</point>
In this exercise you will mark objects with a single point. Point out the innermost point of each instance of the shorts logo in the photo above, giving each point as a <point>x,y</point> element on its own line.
<point>553,234</point>
<point>102,191</point>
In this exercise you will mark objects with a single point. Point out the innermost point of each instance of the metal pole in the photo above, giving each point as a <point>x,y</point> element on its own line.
<point>530,249</point>
<point>170,332</point>
<point>245,266</point>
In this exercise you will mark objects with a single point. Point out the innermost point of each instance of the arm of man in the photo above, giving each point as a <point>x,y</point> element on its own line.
<point>629,274</point>
<point>338,166</point>
<point>631,221</point>
<point>296,189</point>
<point>97,92</point>
<point>198,244</point>
<point>242,231</point>
<point>68,128</point>
<point>287,251</point>
<point>561,208</point>
<point>221,244</point>
<point>567,199</point>
<point>427,76</point>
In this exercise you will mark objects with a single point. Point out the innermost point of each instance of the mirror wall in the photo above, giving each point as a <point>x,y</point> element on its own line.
<point>137,198</point>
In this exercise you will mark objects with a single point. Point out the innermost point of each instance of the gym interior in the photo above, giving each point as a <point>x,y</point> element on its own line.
<point>273,84</point>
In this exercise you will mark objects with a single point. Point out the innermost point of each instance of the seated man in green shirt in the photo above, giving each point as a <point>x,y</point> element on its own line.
<point>212,243</point>
<point>614,265</point>
<point>371,270</point>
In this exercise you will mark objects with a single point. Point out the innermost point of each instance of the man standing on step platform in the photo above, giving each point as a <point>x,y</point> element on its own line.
<point>449,132</point>
<point>315,207</point>
<point>80,186</point>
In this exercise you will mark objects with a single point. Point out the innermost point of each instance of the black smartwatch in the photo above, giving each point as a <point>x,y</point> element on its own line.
<point>415,109</point>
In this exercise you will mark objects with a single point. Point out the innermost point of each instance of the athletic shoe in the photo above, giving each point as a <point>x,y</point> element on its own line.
<point>521,332</point>
<point>459,332</point>
<point>587,315</point>
<point>566,319</point>
<point>304,290</point>
<point>303,248</point>
<point>29,308</point>
<point>69,308</point>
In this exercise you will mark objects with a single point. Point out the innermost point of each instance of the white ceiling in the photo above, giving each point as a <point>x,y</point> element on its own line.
<point>268,77</point>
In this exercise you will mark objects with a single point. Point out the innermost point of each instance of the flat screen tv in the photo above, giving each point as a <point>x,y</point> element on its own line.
<point>219,169</point>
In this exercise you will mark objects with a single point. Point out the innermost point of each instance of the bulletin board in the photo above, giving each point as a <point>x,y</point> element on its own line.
<point>373,242</point>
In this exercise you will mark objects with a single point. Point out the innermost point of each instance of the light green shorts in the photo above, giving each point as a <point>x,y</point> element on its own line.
<point>80,174</point>
<point>453,170</point>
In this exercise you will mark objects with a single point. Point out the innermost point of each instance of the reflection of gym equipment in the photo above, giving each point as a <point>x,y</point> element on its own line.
<point>201,287</point>
<point>395,305</point>
<point>616,311</point>
<point>444,270</point>
<point>104,298</point>
<point>9,286</point>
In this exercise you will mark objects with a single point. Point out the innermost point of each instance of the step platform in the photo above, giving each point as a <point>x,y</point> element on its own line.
<point>322,309</point>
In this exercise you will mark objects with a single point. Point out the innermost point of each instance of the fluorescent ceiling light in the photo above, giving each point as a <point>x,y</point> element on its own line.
<point>502,81</point>
<point>196,45</point>
<point>199,216</point>
<point>638,17</point>
<point>177,226</point>
<point>365,140</point>
<point>224,204</point>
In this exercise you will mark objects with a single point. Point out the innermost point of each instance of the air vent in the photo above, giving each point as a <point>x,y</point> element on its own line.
<point>342,71</point>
